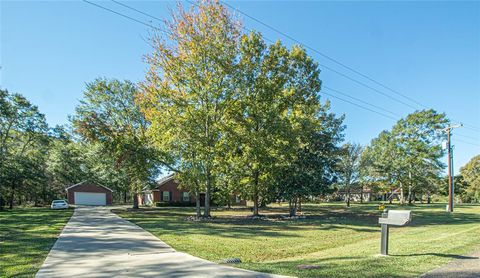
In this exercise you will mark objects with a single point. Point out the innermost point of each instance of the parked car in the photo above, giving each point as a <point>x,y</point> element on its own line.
<point>59,204</point>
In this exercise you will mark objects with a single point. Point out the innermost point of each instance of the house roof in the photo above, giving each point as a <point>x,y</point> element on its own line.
<point>164,180</point>
<point>83,182</point>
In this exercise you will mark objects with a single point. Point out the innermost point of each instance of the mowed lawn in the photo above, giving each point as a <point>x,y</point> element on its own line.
<point>341,242</point>
<point>26,237</point>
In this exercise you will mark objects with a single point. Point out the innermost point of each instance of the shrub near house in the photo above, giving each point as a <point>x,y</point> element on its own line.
<point>168,192</point>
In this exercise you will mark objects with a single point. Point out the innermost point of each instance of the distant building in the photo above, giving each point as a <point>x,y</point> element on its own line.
<point>91,194</point>
<point>167,190</point>
<point>356,195</point>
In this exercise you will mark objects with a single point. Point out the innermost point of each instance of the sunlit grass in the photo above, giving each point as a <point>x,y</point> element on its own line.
<point>341,242</point>
<point>26,237</point>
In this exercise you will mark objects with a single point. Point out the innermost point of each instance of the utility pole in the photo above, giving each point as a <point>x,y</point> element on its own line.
<point>451,187</point>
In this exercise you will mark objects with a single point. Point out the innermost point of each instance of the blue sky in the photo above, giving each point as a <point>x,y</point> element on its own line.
<point>428,51</point>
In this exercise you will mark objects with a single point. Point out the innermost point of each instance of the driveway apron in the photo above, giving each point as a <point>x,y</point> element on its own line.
<point>98,243</point>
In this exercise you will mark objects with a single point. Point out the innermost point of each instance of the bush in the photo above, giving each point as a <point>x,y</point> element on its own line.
<point>174,204</point>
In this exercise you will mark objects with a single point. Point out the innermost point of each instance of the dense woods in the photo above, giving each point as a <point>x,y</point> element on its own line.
<point>228,113</point>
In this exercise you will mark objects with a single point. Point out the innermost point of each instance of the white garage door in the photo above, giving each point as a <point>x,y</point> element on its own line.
<point>89,198</point>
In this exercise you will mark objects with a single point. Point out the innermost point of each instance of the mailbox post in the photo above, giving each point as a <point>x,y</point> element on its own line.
<point>395,218</point>
<point>384,239</point>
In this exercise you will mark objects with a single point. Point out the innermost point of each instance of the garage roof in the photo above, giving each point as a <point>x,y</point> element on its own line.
<point>80,183</point>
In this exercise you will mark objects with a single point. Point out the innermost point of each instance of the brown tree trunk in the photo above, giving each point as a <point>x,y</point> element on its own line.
<point>12,196</point>
<point>348,195</point>
<point>197,204</point>
<point>409,194</point>
<point>135,200</point>
<point>255,193</point>
<point>402,196</point>
<point>293,207</point>
<point>255,205</point>
<point>1,202</point>
<point>206,211</point>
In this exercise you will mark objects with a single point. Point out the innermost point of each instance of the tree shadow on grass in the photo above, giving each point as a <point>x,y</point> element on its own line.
<point>452,256</point>
<point>275,224</point>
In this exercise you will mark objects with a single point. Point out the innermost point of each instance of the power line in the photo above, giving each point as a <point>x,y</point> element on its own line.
<point>330,89</point>
<point>136,10</point>
<point>361,106</point>
<point>466,142</point>
<point>472,127</point>
<point>362,101</point>
<point>122,15</point>
<point>389,117</point>
<point>316,51</point>
<point>324,55</point>
<point>467,136</point>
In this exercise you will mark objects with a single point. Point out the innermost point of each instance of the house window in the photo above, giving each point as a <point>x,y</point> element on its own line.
<point>186,197</point>
<point>166,196</point>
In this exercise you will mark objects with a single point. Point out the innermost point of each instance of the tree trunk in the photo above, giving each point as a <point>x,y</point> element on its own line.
<point>255,193</point>
<point>206,211</point>
<point>410,187</point>
<point>361,195</point>
<point>12,195</point>
<point>402,197</point>
<point>197,204</point>
<point>409,194</point>
<point>348,195</point>
<point>125,196</point>
<point>135,200</point>
<point>293,207</point>
<point>300,204</point>
<point>255,204</point>
<point>428,198</point>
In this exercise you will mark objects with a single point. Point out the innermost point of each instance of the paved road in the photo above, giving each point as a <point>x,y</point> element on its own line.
<point>98,243</point>
<point>461,267</point>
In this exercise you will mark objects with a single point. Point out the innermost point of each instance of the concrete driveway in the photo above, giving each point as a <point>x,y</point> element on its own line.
<point>98,243</point>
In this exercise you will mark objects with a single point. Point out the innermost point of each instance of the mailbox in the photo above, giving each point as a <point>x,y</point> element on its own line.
<point>397,218</point>
<point>394,218</point>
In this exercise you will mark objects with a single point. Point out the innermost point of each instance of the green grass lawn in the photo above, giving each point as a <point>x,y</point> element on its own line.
<point>341,242</point>
<point>26,237</point>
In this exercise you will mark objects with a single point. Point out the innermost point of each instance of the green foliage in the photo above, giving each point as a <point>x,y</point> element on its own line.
<point>23,150</point>
<point>108,116</point>
<point>233,114</point>
<point>471,175</point>
<point>349,168</point>
<point>188,91</point>
<point>408,156</point>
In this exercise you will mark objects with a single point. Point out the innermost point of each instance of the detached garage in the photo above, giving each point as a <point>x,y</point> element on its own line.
<point>89,194</point>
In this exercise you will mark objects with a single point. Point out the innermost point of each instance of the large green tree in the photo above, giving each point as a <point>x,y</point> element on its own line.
<point>349,168</point>
<point>188,90</point>
<point>409,156</point>
<point>23,149</point>
<point>471,174</point>
<point>108,115</point>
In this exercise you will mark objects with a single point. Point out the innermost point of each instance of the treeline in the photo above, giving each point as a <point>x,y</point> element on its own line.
<point>228,114</point>
<point>37,162</point>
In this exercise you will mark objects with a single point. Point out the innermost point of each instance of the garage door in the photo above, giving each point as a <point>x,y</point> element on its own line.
<point>90,198</point>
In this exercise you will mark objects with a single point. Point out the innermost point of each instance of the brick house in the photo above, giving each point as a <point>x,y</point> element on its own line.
<point>86,193</point>
<point>168,190</point>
